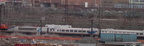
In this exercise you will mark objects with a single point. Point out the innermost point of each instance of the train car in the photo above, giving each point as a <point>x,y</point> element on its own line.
<point>80,31</point>
<point>67,29</point>
<point>3,27</point>
<point>30,29</point>
<point>116,31</point>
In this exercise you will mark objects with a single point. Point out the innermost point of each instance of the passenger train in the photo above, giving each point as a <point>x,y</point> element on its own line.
<point>68,29</point>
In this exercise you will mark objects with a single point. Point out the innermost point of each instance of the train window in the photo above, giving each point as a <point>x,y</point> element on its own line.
<point>75,30</point>
<point>102,31</point>
<point>63,30</point>
<point>128,32</point>
<point>84,31</point>
<point>141,33</point>
<point>71,30</point>
<point>124,32</point>
<point>80,31</point>
<point>110,32</point>
<point>58,30</point>
<point>105,31</point>
<point>87,31</point>
<point>51,29</point>
<point>137,33</point>
<point>26,28</point>
<point>115,32</point>
<point>120,32</point>
<point>67,30</point>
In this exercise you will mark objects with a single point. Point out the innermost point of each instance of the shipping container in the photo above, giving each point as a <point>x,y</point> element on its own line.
<point>107,37</point>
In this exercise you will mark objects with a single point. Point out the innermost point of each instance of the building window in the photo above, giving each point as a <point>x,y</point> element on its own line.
<point>104,1</point>
<point>110,1</point>
<point>36,1</point>
<point>126,2</point>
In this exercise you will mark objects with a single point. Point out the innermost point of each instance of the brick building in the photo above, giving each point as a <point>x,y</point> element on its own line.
<point>80,3</point>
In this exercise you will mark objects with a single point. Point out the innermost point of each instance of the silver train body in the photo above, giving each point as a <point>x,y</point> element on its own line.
<point>67,29</point>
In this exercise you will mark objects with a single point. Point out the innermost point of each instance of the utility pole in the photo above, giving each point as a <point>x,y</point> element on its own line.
<point>92,21</point>
<point>66,6</point>
<point>99,19</point>
<point>41,23</point>
<point>66,11</point>
<point>1,5</point>
<point>0,13</point>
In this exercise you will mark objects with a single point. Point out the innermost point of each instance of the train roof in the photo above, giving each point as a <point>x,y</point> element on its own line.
<point>122,30</point>
<point>78,28</point>
<point>58,26</point>
<point>26,26</point>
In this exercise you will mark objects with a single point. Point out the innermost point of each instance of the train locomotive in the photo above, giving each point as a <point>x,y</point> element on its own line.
<point>3,27</point>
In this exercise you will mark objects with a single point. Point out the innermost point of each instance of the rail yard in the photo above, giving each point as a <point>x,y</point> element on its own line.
<point>71,22</point>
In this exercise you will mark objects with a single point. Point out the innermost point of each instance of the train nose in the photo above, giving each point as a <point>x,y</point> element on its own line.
<point>3,27</point>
